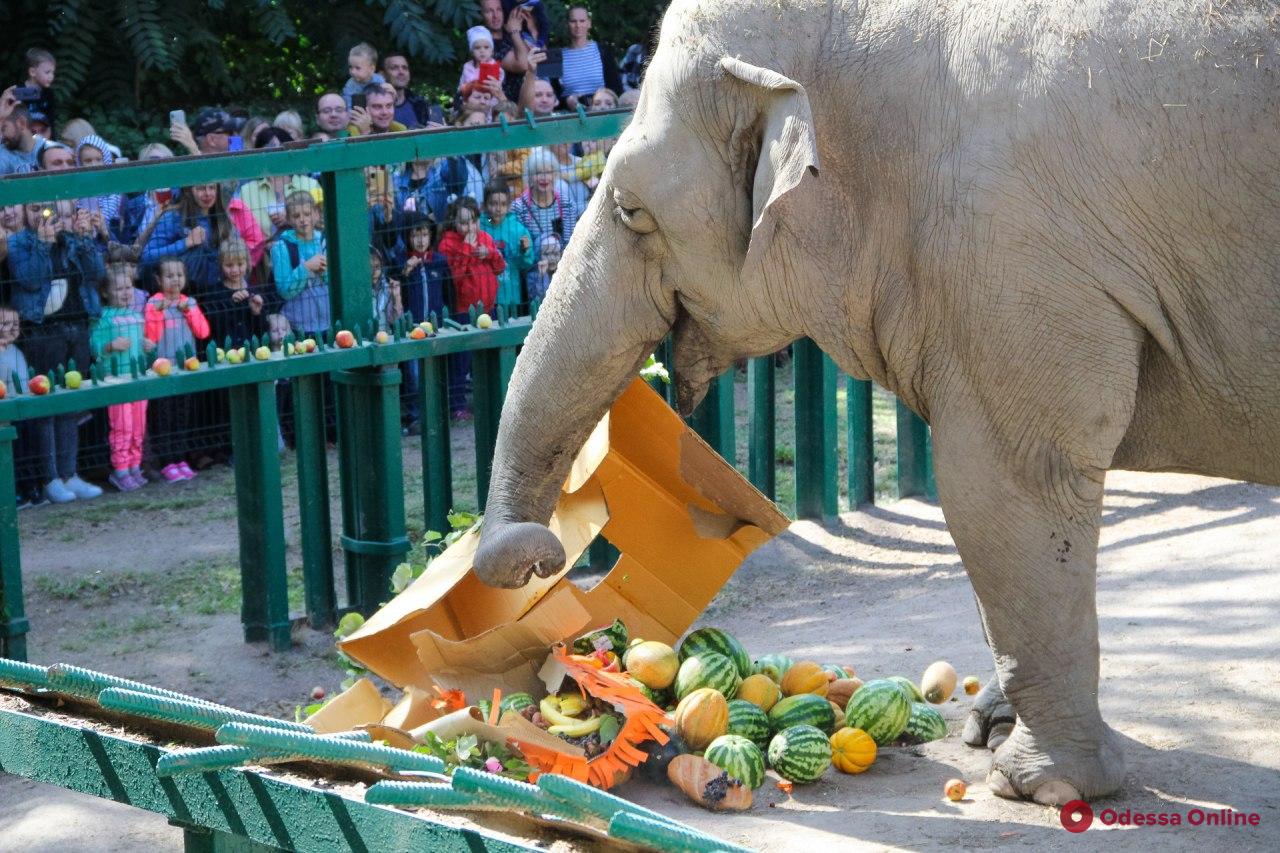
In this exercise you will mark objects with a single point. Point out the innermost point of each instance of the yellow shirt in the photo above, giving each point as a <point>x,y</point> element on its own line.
<point>260,197</point>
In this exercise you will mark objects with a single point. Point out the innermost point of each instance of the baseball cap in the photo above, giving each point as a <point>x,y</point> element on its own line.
<point>212,121</point>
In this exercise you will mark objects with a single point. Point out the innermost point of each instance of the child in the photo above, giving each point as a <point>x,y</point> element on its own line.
<point>388,306</point>
<point>548,260</point>
<point>173,323</point>
<point>480,43</point>
<point>300,268</point>
<point>361,60</point>
<point>426,271</point>
<point>237,310</point>
<point>13,370</point>
<point>41,69</point>
<point>512,240</point>
<point>474,263</point>
<point>119,335</point>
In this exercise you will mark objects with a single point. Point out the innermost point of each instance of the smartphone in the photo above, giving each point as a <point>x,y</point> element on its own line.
<point>27,93</point>
<point>490,71</point>
<point>235,143</point>
<point>358,100</point>
<point>410,204</point>
<point>552,68</point>
<point>177,117</point>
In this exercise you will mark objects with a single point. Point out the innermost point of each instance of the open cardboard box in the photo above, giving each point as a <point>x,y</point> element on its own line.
<point>682,517</point>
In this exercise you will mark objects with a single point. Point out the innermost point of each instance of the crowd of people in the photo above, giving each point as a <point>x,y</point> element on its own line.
<point>127,279</point>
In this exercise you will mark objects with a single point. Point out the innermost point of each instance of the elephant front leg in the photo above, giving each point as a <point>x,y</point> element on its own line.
<point>1027,531</point>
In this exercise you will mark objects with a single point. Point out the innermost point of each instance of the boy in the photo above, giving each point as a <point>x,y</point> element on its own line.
<point>41,69</point>
<point>300,268</point>
<point>512,239</point>
<point>361,61</point>
<point>13,370</point>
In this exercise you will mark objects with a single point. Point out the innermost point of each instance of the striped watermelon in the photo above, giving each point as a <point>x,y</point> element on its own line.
<point>707,670</point>
<point>880,708</point>
<point>748,721</point>
<point>800,753</point>
<point>774,666</point>
<point>515,702</point>
<point>738,757</point>
<point>715,640</point>
<point>836,669</point>
<point>923,725</point>
<point>661,698</point>
<point>908,686</point>
<point>802,709</point>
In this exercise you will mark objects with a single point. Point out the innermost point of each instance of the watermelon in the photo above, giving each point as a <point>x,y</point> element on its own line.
<point>485,707</point>
<point>715,640</point>
<point>802,709</point>
<point>707,670</point>
<point>913,692</point>
<point>836,669</point>
<point>661,698</point>
<point>923,725</point>
<point>774,666</point>
<point>880,708</point>
<point>748,721</point>
<point>800,753</point>
<point>515,702</point>
<point>739,757</point>
<point>611,638</point>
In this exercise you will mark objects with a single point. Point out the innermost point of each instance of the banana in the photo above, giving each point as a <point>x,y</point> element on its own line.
<point>580,727</point>
<point>550,709</point>
<point>572,704</point>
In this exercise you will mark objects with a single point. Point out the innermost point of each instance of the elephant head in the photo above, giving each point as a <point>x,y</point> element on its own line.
<point>681,236</point>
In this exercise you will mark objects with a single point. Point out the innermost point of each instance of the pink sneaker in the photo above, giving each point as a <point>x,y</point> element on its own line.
<point>172,473</point>
<point>185,470</point>
<point>122,481</point>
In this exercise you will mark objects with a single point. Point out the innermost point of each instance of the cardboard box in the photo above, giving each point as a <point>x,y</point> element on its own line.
<point>683,518</point>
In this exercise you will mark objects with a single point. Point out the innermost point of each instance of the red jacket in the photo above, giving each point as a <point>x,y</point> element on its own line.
<point>474,279</point>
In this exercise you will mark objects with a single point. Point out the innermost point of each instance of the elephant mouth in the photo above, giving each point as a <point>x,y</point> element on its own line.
<point>697,361</point>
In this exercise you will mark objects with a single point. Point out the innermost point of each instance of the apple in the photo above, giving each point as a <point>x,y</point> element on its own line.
<point>39,384</point>
<point>426,326</point>
<point>221,355</point>
<point>3,389</point>
<point>382,337</point>
<point>484,321</point>
<point>235,356</point>
<point>262,353</point>
<point>72,379</point>
<point>309,345</point>
<point>191,363</point>
<point>318,693</point>
<point>418,333</point>
<point>161,366</point>
<point>345,339</point>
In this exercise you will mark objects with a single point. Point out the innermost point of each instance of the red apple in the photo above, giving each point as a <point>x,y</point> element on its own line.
<point>317,693</point>
<point>3,389</point>
<point>418,333</point>
<point>344,339</point>
<point>161,366</point>
<point>39,384</point>
<point>382,337</point>
<point>192,363</point>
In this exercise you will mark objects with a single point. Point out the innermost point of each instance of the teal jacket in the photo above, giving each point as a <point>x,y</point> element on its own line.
<point>118,323</point>
<point>506,234</point>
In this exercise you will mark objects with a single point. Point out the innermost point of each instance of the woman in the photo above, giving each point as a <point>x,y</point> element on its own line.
<point>193,228</point>
<point>588,65</point>
<point>56,270</point>
<point>542,208</point>
<point>140,210</point>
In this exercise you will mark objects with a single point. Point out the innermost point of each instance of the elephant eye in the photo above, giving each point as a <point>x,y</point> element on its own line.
<point>632,214</point>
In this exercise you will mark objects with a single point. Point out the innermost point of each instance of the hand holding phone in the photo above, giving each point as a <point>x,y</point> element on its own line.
<point>490,71</point>
<point>177,117</point>
<point>359,100</point>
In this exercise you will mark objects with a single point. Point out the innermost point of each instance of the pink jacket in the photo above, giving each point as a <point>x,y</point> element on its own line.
<point>245,223</point>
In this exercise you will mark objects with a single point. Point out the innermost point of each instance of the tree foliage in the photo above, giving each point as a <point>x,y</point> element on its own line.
<point>128,62</point>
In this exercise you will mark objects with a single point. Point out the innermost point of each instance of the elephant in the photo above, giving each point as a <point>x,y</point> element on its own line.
<point>1051,229</point>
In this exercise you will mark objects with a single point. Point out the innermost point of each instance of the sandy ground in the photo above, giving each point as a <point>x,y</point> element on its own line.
<point>1189,594</point>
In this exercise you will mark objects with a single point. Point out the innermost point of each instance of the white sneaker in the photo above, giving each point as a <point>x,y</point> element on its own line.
<point>58,493</point>
<point>80,488</point>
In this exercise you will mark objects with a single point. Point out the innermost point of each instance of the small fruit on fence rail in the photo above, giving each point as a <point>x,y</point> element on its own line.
<point>191,363</point>
<point>220,355</point>
<point>418,333</point>
<point>235,355</point>
<point>426,326</point>
<point>262,353</point>
<point>971,685</point>
<point>939,682</point>
<point>484,321</point>
<point>4,389</point>
<point>955,790</point>
<point>161,367</point>
<point>852,750</point>
<point>382,337</point>
<point>344,339</point>
<point>72,379</point>
<point>308,345</point>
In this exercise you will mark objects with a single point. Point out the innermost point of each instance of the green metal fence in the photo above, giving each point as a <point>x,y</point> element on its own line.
<point>366,383</point>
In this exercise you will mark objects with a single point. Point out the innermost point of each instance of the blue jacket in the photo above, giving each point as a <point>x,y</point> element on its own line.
<point>32,264</point>
<point>168,239</point>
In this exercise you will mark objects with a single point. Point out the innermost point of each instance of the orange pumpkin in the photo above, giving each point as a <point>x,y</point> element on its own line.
<point>701,717</point>
<point>805,676</point>
<point>852,750</point>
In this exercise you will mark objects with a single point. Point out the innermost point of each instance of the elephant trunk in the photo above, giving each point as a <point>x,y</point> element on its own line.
<point>601,320</point>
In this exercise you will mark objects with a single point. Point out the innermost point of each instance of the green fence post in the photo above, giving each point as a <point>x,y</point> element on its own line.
<point>861,442</point>
<point>316,533</point>
<point>486,407</point>
<point>13,619</point>
<point>816,469</point>
<point>762,440</point>
<point>437,463</point>
<point>915,456</point>
<point>714,417</point>
<point>264,609</point>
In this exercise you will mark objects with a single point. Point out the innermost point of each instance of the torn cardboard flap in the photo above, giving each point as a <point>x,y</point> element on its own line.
<point>683,518</point>
<point>357,706</point>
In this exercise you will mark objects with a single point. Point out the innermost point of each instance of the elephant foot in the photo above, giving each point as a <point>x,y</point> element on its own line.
<point>1054,776</point>
<point>991,719</point>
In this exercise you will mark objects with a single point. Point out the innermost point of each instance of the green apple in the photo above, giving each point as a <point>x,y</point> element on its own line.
<point>73,379</point>
<point>484,321</point>
<point>262,353</point>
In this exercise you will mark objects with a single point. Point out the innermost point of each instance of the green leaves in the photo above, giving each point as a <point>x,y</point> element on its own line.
<point>470,751</point>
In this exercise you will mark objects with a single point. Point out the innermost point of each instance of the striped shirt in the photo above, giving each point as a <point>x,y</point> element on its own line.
<point>583,70</point>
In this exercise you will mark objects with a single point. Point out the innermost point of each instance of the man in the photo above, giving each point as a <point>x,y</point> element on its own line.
<point>18,153</point>
<point>509,47</point>
<point>412,110</point>
<point>537,94</point>
<point>210,133</point>
<point>331,115</point>
<point>379,113</point>
<point>54,157</point>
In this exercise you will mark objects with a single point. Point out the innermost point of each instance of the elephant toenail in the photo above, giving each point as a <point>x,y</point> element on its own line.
<point>1056,792</point>
<point>1001,786</point>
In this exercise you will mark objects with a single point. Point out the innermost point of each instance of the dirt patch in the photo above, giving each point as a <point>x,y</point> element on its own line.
<point>1189,591</point>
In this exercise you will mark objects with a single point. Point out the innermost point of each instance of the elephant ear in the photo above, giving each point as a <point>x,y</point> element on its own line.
<point>788,149</point>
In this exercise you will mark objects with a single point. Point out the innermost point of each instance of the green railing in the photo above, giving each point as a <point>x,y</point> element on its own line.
<point>366,381</point>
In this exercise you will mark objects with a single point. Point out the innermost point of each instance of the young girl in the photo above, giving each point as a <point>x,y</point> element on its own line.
<point>426,271</point>
<point>237,310</point>
<point>173,321</point>
<point>387,303</point>
<point>118,334</point>
<point>548,259</point>
<point>475,264</point>
<point>480,43</point>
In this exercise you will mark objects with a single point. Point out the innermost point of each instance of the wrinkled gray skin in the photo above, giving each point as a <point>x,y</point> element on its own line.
<point>1052,229</point>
